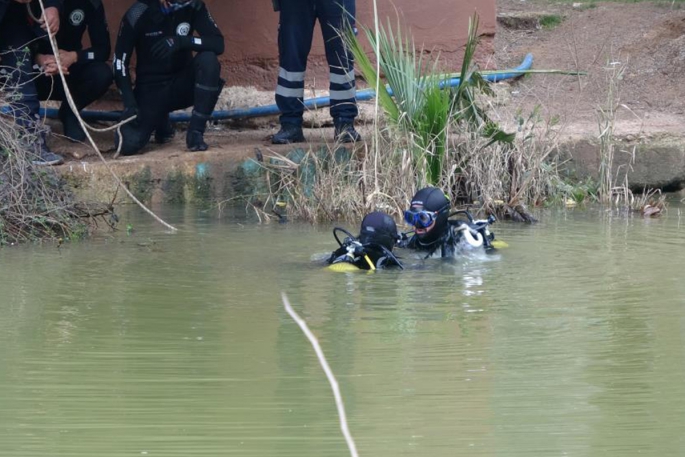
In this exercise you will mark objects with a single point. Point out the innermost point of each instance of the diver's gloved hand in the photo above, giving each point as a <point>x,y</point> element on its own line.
<point>164,49</point>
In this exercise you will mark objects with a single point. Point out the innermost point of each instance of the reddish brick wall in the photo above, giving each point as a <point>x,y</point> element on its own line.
<point>250,29</point>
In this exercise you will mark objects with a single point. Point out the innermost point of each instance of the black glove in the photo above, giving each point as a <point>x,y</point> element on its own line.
<point>164,49</point>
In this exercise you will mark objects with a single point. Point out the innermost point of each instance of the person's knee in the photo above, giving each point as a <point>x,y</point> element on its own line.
<point>132,138</point>
<point>99,77</point>
<point>102,76</point>
<point>208,63</point>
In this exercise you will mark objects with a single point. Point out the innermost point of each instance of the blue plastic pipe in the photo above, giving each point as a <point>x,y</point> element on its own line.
<point>272,110</point>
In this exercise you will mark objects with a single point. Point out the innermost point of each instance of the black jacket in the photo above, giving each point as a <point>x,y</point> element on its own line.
<point>16,12</point>
<point>144,25</point>
<point>3,8</point>
<point>77,17</point>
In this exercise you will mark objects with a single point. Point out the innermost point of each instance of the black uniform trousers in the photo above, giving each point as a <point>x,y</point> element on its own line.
<point>195,85</point>
<point>87,81</point>
<point>296,30</point>
<point>17,75</point>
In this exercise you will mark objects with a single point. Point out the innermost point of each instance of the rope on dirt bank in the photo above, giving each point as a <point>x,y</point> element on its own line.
<point>86,127</point>
<point>329,374</point>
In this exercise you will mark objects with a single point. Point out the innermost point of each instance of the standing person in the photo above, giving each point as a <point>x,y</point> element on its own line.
<point>18,32</point>
<point>175,69</point>
<point>87,73</point>
<point>295,33</point>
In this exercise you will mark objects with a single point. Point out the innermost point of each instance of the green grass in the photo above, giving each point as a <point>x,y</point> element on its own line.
<point>550,21</point>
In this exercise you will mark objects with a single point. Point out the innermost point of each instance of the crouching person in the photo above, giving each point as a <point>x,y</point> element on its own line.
<point>18,33</point>
<point>177,44</point>
<point>87,73</point>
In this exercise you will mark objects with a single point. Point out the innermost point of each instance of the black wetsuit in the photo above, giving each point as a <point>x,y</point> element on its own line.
<point>18,35</point>
<point>447,243</point>
<point>189,76</point>
<point>90,76</point>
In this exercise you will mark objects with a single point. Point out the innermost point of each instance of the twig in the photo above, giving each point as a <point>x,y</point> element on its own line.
<point>329,374</point>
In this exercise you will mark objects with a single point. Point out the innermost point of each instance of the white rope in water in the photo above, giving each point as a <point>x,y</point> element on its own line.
<point>86,127</point>
<point>329,374</point>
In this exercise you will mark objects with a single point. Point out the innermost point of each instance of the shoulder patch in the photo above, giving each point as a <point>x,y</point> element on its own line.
<point>135,12</point>
<point>77,17</point>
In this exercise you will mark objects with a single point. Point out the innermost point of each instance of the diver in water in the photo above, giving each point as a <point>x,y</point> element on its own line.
<point>429,214</point>
<point>372,249</point>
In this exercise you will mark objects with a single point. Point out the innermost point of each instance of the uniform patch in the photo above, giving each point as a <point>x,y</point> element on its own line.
<point>183,29</point>
<point>77,17</point>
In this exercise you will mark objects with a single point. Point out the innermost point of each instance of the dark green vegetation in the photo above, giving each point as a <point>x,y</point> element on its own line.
<point>550,21</point>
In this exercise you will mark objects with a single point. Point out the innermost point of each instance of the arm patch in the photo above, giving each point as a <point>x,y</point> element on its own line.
<point>134,13</point>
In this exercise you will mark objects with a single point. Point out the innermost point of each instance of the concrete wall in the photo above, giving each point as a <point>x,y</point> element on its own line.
<point>250,28</point>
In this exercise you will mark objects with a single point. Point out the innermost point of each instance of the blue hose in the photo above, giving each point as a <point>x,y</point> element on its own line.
<point>272,110</point>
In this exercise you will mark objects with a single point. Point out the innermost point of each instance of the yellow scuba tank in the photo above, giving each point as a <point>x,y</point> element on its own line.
<point>498,244</point>
<point>343,267</point>
<point>348,266</point>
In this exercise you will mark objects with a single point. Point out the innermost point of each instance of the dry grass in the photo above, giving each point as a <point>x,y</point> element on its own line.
<point>34,201</point>
<point>651,202</point>
<point>336,183</point>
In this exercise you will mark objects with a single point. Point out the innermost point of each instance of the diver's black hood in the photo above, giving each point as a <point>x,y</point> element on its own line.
<point>433,199</point>
<point>378,228</point>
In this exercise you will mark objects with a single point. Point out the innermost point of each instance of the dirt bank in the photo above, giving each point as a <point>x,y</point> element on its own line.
<point>646,41</point>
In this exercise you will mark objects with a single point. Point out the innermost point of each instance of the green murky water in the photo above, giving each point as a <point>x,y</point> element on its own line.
<point>569,343</point>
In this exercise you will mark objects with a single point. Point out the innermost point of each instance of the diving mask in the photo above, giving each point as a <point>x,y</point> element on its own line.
<point>420,219</point>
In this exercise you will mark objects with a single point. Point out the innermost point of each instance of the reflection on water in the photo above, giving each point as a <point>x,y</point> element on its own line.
<point>570,342</point>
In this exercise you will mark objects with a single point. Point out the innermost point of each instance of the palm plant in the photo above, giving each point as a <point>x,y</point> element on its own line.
<point>422,107</point>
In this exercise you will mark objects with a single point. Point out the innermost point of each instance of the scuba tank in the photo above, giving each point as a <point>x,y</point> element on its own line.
<point>371,250</point>
<point>475,233</point>
<point>469,231</point>
<point>353,254</point>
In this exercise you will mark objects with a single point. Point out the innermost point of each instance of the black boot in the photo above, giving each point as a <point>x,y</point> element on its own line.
<point>44,156</point>
<point>289,133</point>
<point>72,128</point>
<point>195,141</point>
<point>345,133</point>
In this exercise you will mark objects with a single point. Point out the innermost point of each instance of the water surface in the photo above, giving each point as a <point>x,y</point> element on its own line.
<point>569,343</point>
